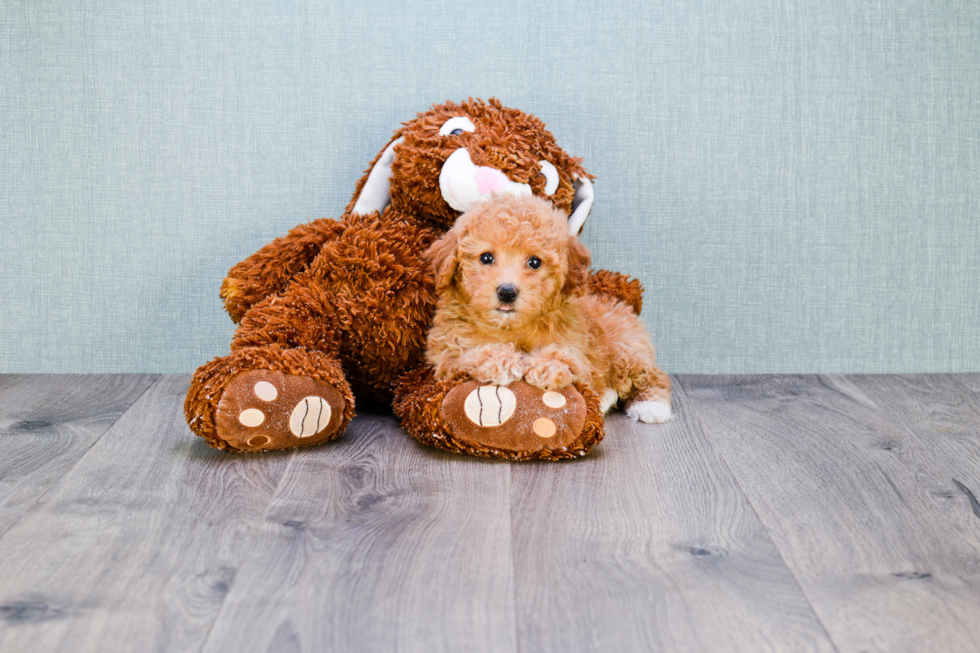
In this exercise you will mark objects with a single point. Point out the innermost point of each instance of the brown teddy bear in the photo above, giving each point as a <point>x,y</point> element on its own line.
<point>338,309</point>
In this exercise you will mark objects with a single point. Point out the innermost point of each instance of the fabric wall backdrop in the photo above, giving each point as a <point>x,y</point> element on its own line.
<point>796,183</point>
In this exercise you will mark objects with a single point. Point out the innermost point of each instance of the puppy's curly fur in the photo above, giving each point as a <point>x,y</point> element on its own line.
<point>513,304</point>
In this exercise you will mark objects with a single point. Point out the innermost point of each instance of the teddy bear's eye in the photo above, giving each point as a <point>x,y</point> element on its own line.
<point>456,126</point>
<point>534,263</point>
<point>486,258</point>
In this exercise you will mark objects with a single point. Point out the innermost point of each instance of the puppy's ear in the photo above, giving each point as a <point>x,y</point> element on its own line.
<point>442,256</point>
<point>579,262</point>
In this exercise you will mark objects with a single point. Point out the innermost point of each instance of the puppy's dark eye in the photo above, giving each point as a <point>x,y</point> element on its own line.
<point>486,258</point>
<point>456,132</point>
<point>534,263</point>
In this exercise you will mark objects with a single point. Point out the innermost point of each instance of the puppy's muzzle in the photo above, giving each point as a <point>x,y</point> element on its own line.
<point>507,293</point>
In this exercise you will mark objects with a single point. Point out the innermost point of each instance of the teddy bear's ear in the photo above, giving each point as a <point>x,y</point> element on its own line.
<point>581,205</point>
<point>442,256</point>
<point>372,189</point>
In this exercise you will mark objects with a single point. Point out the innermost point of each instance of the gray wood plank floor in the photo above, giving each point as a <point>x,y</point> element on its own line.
<point>775,513</point>
<point>47,423</point>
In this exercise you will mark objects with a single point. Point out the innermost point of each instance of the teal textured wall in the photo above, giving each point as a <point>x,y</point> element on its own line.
<point>796,183</point>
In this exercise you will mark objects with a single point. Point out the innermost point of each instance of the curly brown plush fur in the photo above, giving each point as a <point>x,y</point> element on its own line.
<point>350,301</point>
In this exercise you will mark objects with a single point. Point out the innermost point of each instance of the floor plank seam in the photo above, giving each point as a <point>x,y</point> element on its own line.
<point>72,466</point>
<point>248,557</point>
<point>758,517</point>
<point>513,554</point>
<point>293,453</point>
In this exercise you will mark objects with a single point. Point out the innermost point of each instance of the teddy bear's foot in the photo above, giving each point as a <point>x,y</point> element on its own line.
<point>264,410</point>
<point>518,417</point>
<point>517,422</point>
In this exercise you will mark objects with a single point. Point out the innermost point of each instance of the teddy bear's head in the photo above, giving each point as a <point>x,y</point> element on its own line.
<point>450,157</point>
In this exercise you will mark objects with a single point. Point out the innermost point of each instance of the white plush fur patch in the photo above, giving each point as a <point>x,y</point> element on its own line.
<point>650,412</point>
<point>375,194</point>
<point>550,173</point>
<point>581,205</point>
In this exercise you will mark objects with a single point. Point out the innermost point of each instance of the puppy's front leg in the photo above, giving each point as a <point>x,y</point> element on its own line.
<point>553,367</point>
<point>499,364</point>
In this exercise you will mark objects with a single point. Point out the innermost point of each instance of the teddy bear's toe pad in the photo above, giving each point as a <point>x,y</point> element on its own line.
<point>518,417</point>
<point>264,410</point>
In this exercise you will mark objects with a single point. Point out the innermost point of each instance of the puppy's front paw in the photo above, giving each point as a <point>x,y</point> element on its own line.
<point>495,364</point>
<point>547,373</point>
<point>553,367</point>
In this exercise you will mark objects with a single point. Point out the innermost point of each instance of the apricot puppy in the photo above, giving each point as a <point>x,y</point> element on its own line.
<point>512,305</point>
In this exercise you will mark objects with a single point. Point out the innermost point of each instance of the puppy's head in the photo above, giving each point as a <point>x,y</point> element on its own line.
<point>509,259</point>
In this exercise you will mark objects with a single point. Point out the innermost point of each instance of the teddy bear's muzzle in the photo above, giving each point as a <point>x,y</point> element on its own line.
<point>463,184</point>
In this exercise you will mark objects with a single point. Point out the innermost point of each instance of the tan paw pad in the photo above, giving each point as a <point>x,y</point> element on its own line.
<point>553,399</point>
<point>265,391</point>
<point>259,441</point>
<point>309,417</point>
<point>490,405</point>
<point>251,417</point>
<point>544,427</point>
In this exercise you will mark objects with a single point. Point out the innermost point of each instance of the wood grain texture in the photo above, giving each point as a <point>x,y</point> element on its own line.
<point>649,545</point>
<point>137,546</point>
<point>376,543</point>
<point>940,415</point>
<point>773,514</point>
<point>47,423</point>
<point>860,503</point>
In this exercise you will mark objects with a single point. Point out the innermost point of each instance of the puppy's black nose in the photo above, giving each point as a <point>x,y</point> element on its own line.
<point>507,293</point>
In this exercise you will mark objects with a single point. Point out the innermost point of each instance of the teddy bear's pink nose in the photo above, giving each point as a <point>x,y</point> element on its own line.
<point>490,180</point>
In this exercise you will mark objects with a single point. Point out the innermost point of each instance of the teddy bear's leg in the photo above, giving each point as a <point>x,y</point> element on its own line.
<point>281,386</point>
<point>516,422</point>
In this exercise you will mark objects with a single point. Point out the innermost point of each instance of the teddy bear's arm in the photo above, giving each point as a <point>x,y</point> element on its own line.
<point>616,285</point>
<point>268,270</point>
